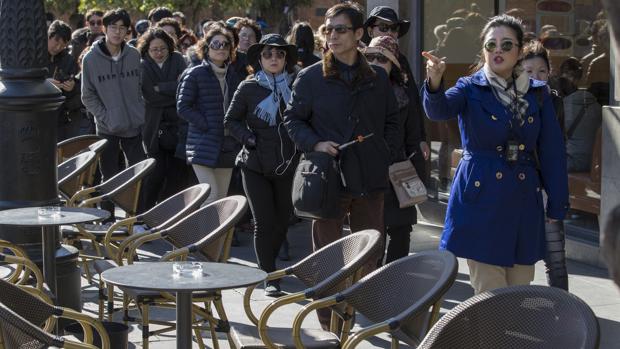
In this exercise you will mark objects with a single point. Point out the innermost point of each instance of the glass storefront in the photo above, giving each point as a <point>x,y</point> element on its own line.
<point>575,34</point>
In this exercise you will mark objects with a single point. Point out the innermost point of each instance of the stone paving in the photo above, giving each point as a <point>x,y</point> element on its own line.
<point>589,283</point>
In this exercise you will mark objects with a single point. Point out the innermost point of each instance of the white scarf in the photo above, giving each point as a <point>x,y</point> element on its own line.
<point>504,91</point>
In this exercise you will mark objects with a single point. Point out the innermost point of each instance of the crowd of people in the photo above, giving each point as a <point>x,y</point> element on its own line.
<point>234,107</point>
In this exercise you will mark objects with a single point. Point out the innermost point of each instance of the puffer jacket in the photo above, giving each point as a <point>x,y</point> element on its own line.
<point>201,103</point>
<point>273,146</point>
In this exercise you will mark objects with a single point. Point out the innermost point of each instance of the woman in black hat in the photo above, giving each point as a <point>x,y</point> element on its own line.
<point>269,158</point>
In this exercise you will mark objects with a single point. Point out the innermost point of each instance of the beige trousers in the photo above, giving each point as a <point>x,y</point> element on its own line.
<point>217,178</point>
<point>486,277</point>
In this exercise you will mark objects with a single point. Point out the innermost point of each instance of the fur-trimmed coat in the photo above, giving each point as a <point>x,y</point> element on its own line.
<point>328,106</point>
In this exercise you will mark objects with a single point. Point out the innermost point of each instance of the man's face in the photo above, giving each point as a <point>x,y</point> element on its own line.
<point>383,28</point>
<point>115,32</point>
<point>55,45</point>
<point>95,24</point>
<point>340,35</point>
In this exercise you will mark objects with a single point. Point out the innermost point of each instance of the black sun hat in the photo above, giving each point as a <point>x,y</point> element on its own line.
<point>389,15</point>
<point>273,40</point>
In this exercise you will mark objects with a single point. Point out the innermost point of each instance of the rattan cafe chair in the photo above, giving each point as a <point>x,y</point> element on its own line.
<point>324,272</point>
<point>24,314</point>
<point>72,173</point>
<point>204,235</point>
<point>73,146</point>
<point>161,216</point>
<point>527,317</point>
<point>402,298</point>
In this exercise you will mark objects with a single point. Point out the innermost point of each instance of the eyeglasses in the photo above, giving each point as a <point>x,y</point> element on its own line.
<point>384,28</point>
<point>97,22</point>
<point>340,29</point>
<point>117,28</point>
<point>219,45</point>
<point>371,57</point>
<point>158,50</point>
<point>505,46</point>
<point>270,53</point>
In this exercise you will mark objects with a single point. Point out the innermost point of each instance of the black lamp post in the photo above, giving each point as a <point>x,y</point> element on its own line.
<point>27,115</point>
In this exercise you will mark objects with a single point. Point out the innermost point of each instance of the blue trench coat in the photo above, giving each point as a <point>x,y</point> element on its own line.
<point>495,214</point>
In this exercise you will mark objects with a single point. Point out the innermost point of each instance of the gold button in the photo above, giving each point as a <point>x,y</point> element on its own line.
<point>522,176</point>
<point>521,147</point>
<point>499,175</point>
<point>477,184</point>
<point>530,119</point>
<point>493,117</point>
<point>499,148</point>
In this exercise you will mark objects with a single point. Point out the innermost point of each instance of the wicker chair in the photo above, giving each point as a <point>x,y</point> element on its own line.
<point>525,317</point>
<point>325,272</point>
<point>205,235</point>
<point>73,172</point>
<point>163,215</point>
<point>73,146</point>
<point>402,298</point>
<point>23,314</point>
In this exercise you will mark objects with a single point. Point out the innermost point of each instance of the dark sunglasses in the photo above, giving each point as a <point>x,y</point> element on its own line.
<point>278,53</point>
<point>97,22</point>
<point>371,57</point>
<point>384,28</point>
<point>219,45</point>
<point>506,46</point>
<point>340,29</point>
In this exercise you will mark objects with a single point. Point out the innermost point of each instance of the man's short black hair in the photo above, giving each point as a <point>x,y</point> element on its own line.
<point>113,16</point>
<point>352,10</point>
<point>59,29</point>
<point>159,13</point>
<point>93,12</point>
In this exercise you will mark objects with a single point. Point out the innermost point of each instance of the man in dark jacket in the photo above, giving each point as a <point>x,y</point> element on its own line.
<point>334,102</point>
<point>62,69</point>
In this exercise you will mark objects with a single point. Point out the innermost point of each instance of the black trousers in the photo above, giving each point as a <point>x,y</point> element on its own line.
<point>271,205</point>
<point>167,178</point>
<point>398,246</point>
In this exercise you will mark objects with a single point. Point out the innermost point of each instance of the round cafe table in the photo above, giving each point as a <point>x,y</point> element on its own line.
<point>159,276</point>
<point>29,217</point>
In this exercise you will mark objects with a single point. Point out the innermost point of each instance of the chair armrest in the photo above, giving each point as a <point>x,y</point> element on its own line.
<point>125,244</point>
<point>139,242</point>
<point>301,316</point>
<point>367,332</point>
<point>247,307</point>
<point>87,322</point>
<point>50,323</point>
<point>176,255</point>
<point>28,265</point>
<point>264,316</point>
<point>92,201</point>
<point>107,240</point>
<point>80,194</point>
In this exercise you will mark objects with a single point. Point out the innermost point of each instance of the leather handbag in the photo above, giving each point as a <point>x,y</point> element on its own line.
<point>316,186</point>
<point>407,185</point>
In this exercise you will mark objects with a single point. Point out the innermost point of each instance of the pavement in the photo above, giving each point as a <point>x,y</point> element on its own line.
<point>588,283</point>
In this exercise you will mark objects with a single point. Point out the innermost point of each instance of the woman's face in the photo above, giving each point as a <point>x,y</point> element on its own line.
<point>501,52</point>
<point>247,38</point>
<point>536,68</point>
<point>171,31</point>
<point>273,59</point>
<point>158,50</point>
<point>219,49</point>
<point>380,60</point>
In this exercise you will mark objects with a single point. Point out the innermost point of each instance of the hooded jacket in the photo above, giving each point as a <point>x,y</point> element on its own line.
<point>111,90</point>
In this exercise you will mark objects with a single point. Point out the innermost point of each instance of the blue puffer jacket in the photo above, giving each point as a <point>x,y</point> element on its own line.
<point>201,103</point>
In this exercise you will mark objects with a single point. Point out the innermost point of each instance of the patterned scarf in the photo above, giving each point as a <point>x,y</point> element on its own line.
<point>267,110</point>
<point>504,91</point>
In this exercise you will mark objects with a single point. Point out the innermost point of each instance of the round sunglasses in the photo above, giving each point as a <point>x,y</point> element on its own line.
<point>278,53</point>
<point>371,57</point>
<point>384,28</point>
<point>219,45</point>
<point>505,46</point>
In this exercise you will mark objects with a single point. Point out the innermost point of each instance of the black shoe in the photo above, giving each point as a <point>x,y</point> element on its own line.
<point>272,289</point>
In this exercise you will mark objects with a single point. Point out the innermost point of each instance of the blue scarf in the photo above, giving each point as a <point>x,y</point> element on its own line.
<point>267,110</point>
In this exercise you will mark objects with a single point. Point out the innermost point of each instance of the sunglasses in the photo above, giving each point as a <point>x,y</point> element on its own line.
<point>384,28</point>
<point>506,46</point>
<point>97,22</point>
<point>219,45</point>
<point>340,29</point>
<point>278,53</point>
<point>371,57</point>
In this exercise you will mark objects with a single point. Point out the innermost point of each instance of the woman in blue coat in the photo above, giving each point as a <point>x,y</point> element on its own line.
<point>512,149</point>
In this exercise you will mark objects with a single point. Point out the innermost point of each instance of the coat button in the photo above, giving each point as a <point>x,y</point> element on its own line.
<point>499,148</point>
<point>521,147</point>
<point>477,184</point>
<point>522,176</point>
<point>499,175</point>
<point>530,119</point>
<point>493,117</point>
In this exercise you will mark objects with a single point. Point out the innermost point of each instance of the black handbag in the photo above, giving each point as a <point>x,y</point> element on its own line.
<point>167,136</point>
<point>228,153</point>
<point>316,187</point>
